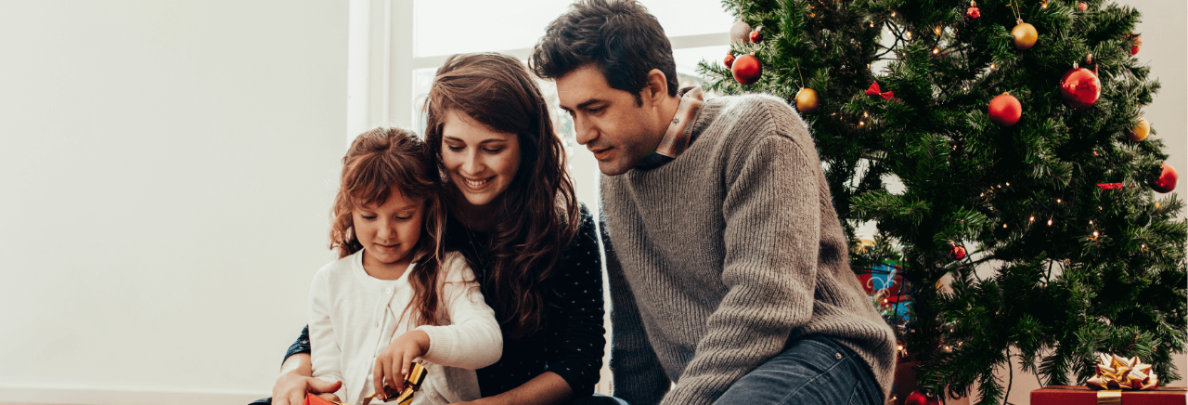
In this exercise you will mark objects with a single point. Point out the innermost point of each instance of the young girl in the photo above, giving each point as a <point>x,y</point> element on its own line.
<point>394,294</point>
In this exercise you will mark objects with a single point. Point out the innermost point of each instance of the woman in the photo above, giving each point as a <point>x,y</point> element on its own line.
<point>515,217</point>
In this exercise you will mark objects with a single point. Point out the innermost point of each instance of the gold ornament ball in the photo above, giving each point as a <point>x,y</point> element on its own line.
<point>806,101</point>
<point>1140,131</point>
<point>1025,36</point>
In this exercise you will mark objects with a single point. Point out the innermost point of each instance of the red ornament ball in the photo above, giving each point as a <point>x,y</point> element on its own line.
<point>729,60</point>
<point>747,69</point>
<point>1082,6</point>
<point>757,35</point>
<point>973,12</point>
<point>1166,182</point>
<point>958,252</point>
<point>1080,87</point>
<point>1005,110</point>
<point>918,398</point>
<point>1138,43</point>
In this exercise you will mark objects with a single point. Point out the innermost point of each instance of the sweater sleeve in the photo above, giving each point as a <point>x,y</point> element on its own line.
<point>472,340</point>
<point>771,238</point>
<point>638,377</point>
<point>325,351</point>
<point>301,345</point>
<point>578,337</point>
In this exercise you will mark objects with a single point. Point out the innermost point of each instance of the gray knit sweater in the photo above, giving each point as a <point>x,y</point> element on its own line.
<point>728,254</point>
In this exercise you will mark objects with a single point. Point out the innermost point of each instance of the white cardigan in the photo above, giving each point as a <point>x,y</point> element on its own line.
<point>353,317</point>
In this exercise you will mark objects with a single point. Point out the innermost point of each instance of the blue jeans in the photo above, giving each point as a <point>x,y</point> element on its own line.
<point>814,370</point>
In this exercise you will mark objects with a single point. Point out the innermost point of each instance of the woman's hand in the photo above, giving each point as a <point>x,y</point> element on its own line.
<point>396,360</point>
<point>295,380</point>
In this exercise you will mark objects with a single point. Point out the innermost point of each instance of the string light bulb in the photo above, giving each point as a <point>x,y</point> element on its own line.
<point>1032,219</point>
<point>908,34</point>
<point>993,66</point>
<point>1049,222</point>
<point>892,13</point>
<point>935,51</point>
<point>938,30</point>
<point>1044,4</point>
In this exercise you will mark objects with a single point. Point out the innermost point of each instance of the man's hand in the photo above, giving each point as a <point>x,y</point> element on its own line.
<point>396,360</point>
<point>291,387</point>
<point>296,379</point>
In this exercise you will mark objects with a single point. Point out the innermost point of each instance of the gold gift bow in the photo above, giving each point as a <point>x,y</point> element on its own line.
<point>1122,373</point>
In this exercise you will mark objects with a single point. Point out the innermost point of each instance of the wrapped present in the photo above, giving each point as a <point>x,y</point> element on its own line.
<point>1117,381</point>
<point>311,399</point>
<point>1069,395</point>
<point>885,278</point>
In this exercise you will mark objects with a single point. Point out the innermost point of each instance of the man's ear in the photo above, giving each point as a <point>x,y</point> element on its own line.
<point>657,86</point>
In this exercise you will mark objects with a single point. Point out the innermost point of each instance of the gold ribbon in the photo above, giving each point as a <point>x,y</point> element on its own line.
<point>1109,397</point>
<point>1116,373</point>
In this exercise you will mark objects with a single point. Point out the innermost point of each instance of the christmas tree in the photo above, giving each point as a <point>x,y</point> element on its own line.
<point>1028,173</point>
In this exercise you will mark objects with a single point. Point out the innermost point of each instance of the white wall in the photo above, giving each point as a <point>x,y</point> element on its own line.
<point>166,170</point>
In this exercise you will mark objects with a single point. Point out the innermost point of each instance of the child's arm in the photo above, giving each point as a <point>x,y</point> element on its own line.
<point>324,349</point>
<point>473,339</point>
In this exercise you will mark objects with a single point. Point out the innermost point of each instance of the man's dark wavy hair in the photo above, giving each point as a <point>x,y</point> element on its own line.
<point>619,36</point>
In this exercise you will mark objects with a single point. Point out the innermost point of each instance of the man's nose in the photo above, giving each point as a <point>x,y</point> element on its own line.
<point>584,132</point>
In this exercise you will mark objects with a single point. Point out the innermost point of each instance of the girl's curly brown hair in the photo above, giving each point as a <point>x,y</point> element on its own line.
<point>377,162</point>
<point>539,212</point>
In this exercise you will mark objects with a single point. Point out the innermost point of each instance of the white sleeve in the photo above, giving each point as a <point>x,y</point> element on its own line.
<point>473,339</point>
<point>325,353</point>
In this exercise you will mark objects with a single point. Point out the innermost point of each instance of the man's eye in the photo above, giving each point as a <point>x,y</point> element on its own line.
<point>595,110</point>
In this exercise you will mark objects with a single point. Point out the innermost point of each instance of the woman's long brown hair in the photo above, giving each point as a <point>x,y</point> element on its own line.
<point>539,213</point>
<point>377,162</point>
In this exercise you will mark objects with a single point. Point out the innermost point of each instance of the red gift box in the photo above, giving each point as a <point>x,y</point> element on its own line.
<point>1067,395</point>
<point>311,399</point>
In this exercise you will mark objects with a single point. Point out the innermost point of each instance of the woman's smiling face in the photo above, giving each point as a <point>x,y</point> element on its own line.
<point>481,162</point>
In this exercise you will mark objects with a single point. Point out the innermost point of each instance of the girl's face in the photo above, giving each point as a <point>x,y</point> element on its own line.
<point>480,161</point>
<point>389,232</point>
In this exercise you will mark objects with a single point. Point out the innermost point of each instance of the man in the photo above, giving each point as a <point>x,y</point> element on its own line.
<point>733,281</point>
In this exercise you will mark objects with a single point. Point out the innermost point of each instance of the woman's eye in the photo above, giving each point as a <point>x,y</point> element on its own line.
<point>403,218</point>
<point>493,151</point>
<point>454,148</point>
<point>371,217</point>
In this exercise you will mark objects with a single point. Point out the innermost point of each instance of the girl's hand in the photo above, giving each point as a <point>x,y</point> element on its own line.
<point>396,360</point>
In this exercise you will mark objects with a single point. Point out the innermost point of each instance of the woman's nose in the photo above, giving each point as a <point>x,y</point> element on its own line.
<point>471,164</point>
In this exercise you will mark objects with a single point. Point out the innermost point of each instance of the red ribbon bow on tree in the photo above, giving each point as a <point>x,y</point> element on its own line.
<point>874,90</point>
